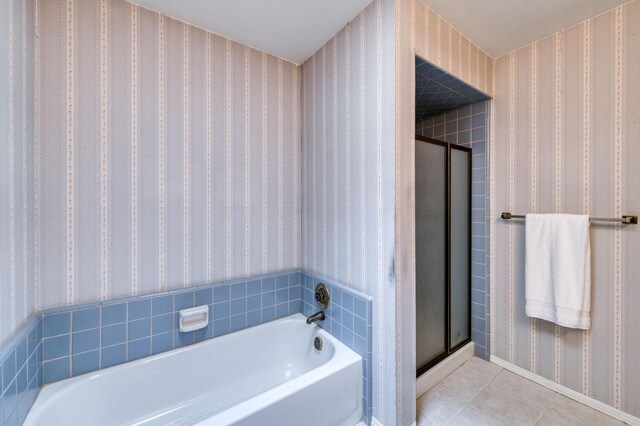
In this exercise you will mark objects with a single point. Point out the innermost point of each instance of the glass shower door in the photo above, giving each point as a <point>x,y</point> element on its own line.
<point>443,250</point>
<point>460,245</point>
<point>431,258</point>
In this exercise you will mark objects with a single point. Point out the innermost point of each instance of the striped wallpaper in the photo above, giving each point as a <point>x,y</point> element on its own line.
<point>163,156</point>
<point>419,31</point>
<point>439,43</point>
<point>169,156</point>
<point>567,119</point>
<point>17,170</point>
<point>405,253</point>
<point>351,232</point>
<point>348,175</point>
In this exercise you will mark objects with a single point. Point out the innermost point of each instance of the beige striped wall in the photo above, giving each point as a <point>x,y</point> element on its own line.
<point>348,125</point>
<point>405,265</point>
<point>567,138</point>
<point>17,171</point>
<point>435,40</point>
<point>168,156</point>
<point>212,134</point>
<point>419,31</point>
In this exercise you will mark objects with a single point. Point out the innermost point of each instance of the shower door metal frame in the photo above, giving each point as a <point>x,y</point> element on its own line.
<point>447,323</point>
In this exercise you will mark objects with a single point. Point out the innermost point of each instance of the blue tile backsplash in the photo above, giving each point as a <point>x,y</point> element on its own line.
<point>79,339</point>
<point>349,318</point>
<point>21,373</point>
<point>60,343</point>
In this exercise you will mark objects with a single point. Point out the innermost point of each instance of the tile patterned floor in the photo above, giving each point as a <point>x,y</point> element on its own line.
<point>480,393</point>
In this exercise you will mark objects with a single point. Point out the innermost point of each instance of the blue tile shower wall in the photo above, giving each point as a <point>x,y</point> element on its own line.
<point>468,126</point>
<point>349,318</point>
<point>80,339</point>
<point>21,374</point>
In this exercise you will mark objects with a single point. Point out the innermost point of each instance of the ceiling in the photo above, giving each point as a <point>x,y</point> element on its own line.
<point>437,91</point>
<point>500,26</point>
<point>290,29</point>
<point>295,29</point>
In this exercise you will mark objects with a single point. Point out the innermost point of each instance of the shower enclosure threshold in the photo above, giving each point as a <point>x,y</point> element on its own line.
<point>438,372</point>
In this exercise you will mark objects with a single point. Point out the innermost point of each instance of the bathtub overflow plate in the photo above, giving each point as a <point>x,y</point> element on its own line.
<point>317,343</point>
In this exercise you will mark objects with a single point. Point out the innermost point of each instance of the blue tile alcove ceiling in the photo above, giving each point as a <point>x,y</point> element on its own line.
<point>437,91</point>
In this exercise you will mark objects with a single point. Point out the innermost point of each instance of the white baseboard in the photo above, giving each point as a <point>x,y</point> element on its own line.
<point>445,367</point>
<point>376,422</point>
<point>569,393</point>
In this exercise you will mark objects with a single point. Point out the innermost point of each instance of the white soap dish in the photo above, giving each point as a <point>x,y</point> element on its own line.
<point>194,318</point>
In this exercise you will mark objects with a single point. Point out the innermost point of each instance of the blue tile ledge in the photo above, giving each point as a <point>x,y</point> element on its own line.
<point>21,371</point>
<point>82,338</point>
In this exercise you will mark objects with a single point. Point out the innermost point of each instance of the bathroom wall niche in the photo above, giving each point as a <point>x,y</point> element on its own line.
<point>451,277</point>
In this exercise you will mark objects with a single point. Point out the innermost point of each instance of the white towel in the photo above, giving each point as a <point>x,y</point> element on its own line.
<point>558,269</point>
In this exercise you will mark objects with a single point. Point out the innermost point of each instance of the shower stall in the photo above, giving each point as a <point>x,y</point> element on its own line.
<point>443,250</point>
<point>450,221</point>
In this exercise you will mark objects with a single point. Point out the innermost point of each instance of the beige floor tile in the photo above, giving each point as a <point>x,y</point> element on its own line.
<point>482,368</point>
<point>499,397</point>
<point>500,405</point>
<point>464,385</point>
<point>472,417</point>
<point>438,405</point>
<point>469,380</point>
<point>573,413</point>
<point>522,389</point>
<point>422,421</point>
<point>547,420</point>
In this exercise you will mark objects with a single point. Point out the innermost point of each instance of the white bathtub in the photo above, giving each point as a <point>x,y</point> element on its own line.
<point>266,375</point>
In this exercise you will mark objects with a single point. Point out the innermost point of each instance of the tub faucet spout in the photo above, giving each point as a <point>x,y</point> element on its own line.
<point>318,316</point>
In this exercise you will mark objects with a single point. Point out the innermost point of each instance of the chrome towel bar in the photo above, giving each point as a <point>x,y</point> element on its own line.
<point>626,219</point>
